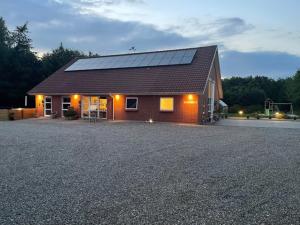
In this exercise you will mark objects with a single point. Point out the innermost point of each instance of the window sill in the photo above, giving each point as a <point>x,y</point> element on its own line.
<point>131,110</point>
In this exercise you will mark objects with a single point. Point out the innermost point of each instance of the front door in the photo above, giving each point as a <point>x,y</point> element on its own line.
<point>103,108</point>
<point>94,106</point>
<point>47,106</point>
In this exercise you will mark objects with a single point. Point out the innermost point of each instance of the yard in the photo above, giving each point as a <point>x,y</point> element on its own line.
<point>73,172</point>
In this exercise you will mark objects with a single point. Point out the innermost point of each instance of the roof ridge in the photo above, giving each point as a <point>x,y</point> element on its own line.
<point>146,52</point>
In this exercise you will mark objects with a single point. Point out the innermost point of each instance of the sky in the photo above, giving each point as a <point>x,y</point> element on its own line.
<point>254,37</point>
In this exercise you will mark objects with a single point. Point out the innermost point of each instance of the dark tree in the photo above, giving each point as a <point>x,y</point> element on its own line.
<point>293,89</point>
<point>58,58</point>
<point>20,39</point>
<point>5,38</point>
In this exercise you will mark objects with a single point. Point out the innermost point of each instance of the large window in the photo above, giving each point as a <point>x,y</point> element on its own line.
<point>66,104</point>
<point>94,107</point>
<point>166,104</point>
<point>103,108</point>
<point>131,103</point>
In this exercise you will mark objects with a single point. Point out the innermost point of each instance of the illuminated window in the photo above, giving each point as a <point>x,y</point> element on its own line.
<point>167,104</point>
<point>131,103</point>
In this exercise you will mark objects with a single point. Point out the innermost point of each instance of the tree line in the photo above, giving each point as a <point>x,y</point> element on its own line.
<point>249,93</point>
<point>21,69</point>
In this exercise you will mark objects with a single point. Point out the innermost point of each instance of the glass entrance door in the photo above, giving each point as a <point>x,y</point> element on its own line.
<point>103,108</point>
<point>47,106</point>
<point>94,107</point>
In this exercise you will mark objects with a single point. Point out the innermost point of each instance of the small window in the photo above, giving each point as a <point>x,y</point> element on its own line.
<point>167,104</point>
<point>131,103</point>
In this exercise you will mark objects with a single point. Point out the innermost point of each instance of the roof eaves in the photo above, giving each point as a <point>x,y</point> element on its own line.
<point>211,65</point>
<point>137,53</point>
<point>117,93</point>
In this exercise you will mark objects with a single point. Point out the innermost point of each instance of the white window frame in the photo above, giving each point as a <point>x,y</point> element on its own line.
<point>45,105</point>
<point>89,107</point>
<point>137,104</point>
<point>64,103</point>
<point>162,110</point>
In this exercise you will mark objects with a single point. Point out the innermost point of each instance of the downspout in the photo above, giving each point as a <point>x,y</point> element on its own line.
<point>212,101</point>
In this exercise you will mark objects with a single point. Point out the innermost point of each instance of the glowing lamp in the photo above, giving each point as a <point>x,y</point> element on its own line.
<point>40,97</point>
<point>75,96</point>
<point>278,115</point>
<point>150,120</point>
<point>190,97</point>
<point>241,112</point>
<point>117,97</point>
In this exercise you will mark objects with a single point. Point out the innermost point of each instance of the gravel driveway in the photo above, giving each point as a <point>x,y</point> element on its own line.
<point>293,124</point>
<point>73,172</point>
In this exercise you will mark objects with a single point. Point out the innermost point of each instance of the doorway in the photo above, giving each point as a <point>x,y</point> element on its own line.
<point>94,106</point>
<point>47,106</point>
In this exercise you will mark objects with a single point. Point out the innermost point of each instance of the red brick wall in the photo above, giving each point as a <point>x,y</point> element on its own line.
<point>39,99</point>
<point>56,105</point>
<point>109,107</point>
<point>76,103</point>
<point>185,110</point>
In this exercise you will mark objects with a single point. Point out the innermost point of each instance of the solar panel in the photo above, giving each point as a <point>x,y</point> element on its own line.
<point>164,58</point>
<point>177,58</point>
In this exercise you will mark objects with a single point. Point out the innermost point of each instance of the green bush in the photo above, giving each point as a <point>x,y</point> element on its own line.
<point>70,113</point>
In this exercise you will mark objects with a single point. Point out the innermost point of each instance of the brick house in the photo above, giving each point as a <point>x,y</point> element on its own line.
<point>181,85</point>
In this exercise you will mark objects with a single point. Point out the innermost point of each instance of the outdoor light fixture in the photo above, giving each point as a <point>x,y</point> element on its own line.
<point>278,115</point>
<point>40,97</point>
<point>75,96</point>
<point>190,97</point>
<point>241,112</point>
<point>150,120</point>
<point>117,97</point>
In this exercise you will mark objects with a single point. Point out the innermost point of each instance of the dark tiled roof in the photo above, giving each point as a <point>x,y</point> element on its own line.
<point>146,80</point>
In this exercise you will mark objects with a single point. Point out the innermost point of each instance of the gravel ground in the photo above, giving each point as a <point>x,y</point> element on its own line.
<point>73,172</point>
<point>242,122</point>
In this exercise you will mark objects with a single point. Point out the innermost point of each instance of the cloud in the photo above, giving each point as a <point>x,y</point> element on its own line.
<point>231,26</point>
<point>56,22</point>
<point>83,39</point>
<point>272,64</point>
<point>191,27</point>
<point>50,24</point>
<point>214,29</point>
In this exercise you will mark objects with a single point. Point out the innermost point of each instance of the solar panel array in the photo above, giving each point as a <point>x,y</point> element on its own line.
<point>175,57</point>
